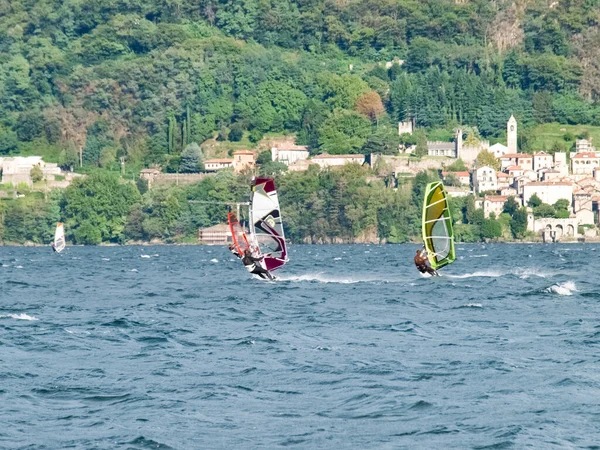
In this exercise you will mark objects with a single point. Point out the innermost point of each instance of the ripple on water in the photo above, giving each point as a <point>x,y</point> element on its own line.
<point>358,352</point>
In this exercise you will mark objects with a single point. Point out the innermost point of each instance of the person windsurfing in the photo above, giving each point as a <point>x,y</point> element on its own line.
<point>53,247</point>
<point>235,251</point>
<point>252,264</point>
<point>423,264</point>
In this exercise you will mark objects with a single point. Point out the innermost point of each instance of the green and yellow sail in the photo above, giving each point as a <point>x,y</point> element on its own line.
<point>438,235</point>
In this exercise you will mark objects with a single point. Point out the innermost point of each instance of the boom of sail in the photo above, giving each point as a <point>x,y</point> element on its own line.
<point>265,224</point>
<point>438,235</point>
<point>59,238</point>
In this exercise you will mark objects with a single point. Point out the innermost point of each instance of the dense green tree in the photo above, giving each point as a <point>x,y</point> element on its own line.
<point>544,210</point>
<point>457,166</point>
<point>36,173</point>
<point>383,141</point>
<point>490,228</point>
<point>236,133</point>
<point>518,224</point>
<point>191,159</point>
<point>344,132</point>
<point>510,206</point>
<point>534,201</point>
<point>95,208</point>
<point>486,158</point>
<point>29,126</point>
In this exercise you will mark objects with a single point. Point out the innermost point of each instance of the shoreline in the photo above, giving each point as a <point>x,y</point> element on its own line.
<point>595,240</point>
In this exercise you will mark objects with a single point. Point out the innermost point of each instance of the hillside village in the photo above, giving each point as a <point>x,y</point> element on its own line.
<point>571,179</point>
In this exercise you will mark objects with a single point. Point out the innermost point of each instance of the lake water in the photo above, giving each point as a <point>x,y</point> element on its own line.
<point>179,348</point>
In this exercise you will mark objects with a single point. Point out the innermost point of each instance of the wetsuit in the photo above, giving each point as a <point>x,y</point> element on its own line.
<point>253,266</point>
<point>53,247</point>
<point>422,264</point>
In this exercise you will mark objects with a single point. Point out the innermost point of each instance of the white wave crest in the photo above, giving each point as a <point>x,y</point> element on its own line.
<point>522,273</point>
<point>566,288</point>
<point>322,278</point>
<point>478,256</point>
<point>528,272</point>
<point>21,316</point>
<point>473,305</point>
<point>483,273</point>
<point>145,256</point>
<point>214,260</point>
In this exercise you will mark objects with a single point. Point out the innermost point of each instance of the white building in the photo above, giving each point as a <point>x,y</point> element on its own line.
<point>542,160</point>
<point>583,146</point>
<point>484,179</point>
<point>324,160</point>
<point>584,163</point>
<point>289,154</point>
<point>17,169</point>
<point>494,204</point>
<point>520,182</point>
<point>509,192</point>
<point>504,180</point>
<point>548,191</point>
<point>217,164</point>
<point>560,163</point>
<point>511,134</point>
<point>551,174</point>
<point>301,165</point>
<point>555,229</point>
<point>498,150</point>
<point>515,171</point>
<point>522,160</point>
<point>406,127</point>
<point>464,178</point>
<point>440,148</point>
<point>457,191</point>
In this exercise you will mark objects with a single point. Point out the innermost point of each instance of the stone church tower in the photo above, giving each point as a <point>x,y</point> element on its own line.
<point>511,134</point>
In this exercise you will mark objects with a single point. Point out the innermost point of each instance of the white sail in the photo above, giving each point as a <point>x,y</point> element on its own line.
<point>266,225</point>
<point>59,238</point>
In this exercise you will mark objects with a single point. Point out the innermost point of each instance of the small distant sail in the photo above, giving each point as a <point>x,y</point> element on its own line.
<point>438,235</point>
<point>59,238</point>
<point>238,236</point>
<point>266,223</point>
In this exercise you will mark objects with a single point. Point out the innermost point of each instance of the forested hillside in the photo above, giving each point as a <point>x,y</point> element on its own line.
<point>142,79</point>
<point>138,81</point>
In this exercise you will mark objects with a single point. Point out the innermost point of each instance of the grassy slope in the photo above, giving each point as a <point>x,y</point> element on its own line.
<point>549,133</point>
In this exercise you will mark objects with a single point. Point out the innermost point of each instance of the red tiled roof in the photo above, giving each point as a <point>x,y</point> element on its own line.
<point>584,155</point>
<point>515,155</point>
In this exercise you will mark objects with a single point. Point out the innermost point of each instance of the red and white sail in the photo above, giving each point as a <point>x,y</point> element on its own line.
<point>266,224</point>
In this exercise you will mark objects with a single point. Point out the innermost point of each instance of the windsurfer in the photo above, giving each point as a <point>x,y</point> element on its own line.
<point>422,263</point>
<point>252,264</point>
<point>53,247</point>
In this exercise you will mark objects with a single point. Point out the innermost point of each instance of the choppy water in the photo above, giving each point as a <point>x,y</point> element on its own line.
<point>177,347</point>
